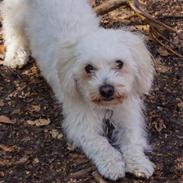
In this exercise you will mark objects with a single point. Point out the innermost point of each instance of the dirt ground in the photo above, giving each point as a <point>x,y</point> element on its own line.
<point>32,145</point>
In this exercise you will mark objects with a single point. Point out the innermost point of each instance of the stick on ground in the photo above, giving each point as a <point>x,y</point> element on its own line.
<point>109,6</point>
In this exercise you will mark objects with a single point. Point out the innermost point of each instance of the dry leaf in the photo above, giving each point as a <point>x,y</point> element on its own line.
<point>6,120</point>
<point>2,174</point>
<point>180,104</point>
<point>39,122</point>
<point>163,52</point>
<point>1,103</point>
<point>5,162</point>
<point>159,126</point>
<point>16,111</point>
<point>36,161</point>
<point>2,49</point>
<point>36,108</point>
<point>55,134</point>
<point>7,148</point>
<point>22,160</point>
<point>70,147</point>
<point>163,68</point>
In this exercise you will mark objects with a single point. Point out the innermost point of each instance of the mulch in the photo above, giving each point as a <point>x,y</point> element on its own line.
<point>33,148</point>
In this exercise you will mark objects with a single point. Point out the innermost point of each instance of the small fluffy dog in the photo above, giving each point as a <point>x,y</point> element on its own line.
<point>98,74</point>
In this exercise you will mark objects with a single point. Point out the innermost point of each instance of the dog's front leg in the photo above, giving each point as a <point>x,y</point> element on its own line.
<point>131,139</point>
<point>85,130</point>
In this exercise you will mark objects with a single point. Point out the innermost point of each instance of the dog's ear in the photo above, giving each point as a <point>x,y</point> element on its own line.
<point>66,71</point>
<point>144,61</point>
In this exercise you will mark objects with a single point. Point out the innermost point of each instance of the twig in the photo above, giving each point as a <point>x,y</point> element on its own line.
<point>135,5</point>
<point>109,6</point>
<point>154,29</point>
<point>168,48</point>
<point>82,173</point>
<point>98,178</point>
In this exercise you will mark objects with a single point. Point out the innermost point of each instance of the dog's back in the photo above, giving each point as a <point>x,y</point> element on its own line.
<point>52,18</point>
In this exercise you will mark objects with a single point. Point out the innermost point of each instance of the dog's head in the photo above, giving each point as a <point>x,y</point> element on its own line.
<point>107,67</point>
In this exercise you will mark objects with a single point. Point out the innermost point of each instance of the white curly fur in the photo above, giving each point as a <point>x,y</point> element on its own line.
<point>64,36</point>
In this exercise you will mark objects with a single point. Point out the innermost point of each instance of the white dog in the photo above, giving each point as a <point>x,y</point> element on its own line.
<point>98,74</point>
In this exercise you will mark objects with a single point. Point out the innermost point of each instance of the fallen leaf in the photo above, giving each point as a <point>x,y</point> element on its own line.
<point>36,161</point>
<point>35,108</point>
<point>180,104</point>
<point>22,160</point>
<point>6,120</point>
<point>55,134</point>
<point>7,148</point>
<point>39,122</point>
<point>2,49</point>
<point>163,52</point>
<point>159,126</point>
<point>16,111</point>
<point>1,103</point>
<point>5,162</point>
<point>161,68</point>
<point>70,147</point>
<point>2,174</point>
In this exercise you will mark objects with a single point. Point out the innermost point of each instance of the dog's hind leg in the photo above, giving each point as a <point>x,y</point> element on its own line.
<point>17,52</point>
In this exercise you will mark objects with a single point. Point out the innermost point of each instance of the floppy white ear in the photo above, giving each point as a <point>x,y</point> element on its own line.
<point>65,69</point>
<point>144,61</point>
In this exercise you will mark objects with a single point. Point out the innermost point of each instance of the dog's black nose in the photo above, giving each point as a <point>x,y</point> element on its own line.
<point>106,91</point>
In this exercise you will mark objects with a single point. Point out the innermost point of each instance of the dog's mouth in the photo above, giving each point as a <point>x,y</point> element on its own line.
<point>115,100</point>
<point>108,99</point>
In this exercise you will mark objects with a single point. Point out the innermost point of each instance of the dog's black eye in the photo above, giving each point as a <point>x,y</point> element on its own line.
<point>119,64</point>
<point>89,68</point>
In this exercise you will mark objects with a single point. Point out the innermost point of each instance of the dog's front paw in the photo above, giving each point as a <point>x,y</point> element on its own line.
<point>140,166</point>
<point>112,169</point>
<point>18,60</point>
